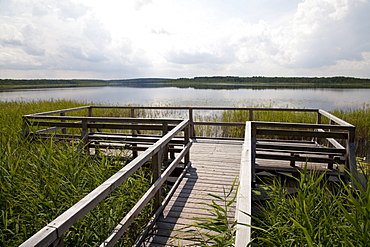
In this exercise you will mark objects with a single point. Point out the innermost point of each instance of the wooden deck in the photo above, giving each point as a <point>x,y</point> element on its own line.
<point>215,165</point>
<point>269,149</point>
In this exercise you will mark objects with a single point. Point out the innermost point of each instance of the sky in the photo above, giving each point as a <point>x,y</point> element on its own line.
<point>121,39</point>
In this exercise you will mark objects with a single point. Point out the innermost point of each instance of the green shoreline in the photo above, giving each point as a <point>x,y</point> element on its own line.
<point>226,82</point>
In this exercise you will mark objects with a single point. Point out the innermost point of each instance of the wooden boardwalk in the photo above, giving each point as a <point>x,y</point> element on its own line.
<point>270,149</point>
<point>215,165</point>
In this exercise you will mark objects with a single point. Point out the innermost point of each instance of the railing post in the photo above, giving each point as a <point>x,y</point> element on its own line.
<point>250,115</point>
<point>84,133</point>
<point>318,119</point>
<point>191,123</point>
<point>90,114</point>
<point>133,132</point>
<point>351,163</point>
<point>156,169</point>
<point>165,150</point>
<point>187,131</point>
<point>64,130</point>
<point>253,150</point>
<point>59,242</point>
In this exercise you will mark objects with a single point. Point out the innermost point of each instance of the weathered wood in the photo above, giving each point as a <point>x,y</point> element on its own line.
<point>244,198</point>
<point>300,149</point>
<point>334,118</point>
<point>220,124</point>
<point>206,108</point>
<point>63,222</point>
<point>296,157</point>
<point>301,125</point>
<point>151,192</point>
<point>64,130</point>
<point>214,165</point>
<point>332,141</point>
<point>59,111</point>
<point>84,132</point>
<point>108,119</point>
<point>58,124</point>
<point>207,175</point>
<point>45,237</point>
<point>301,133</point>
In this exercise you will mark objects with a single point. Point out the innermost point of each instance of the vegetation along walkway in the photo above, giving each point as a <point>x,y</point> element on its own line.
<point>215,165</point>
<point>213,154</point>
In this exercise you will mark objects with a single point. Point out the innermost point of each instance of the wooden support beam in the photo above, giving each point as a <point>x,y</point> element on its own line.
<point>244,198</point>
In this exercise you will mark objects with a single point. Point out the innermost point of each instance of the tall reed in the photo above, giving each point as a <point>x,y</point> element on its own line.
<point>316,215</point>
<point>40,180</point>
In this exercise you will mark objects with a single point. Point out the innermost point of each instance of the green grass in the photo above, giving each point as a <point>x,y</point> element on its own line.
<point>361,119</point>
<point>40,180</point>
<point>318,214</point>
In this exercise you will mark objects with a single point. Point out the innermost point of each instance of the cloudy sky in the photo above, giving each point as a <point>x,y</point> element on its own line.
<point>183,38</point>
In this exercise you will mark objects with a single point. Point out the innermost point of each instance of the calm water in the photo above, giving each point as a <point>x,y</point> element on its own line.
<point>328,99</point>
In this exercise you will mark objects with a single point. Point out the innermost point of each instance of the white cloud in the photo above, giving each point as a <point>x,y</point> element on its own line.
<point>122,39</point>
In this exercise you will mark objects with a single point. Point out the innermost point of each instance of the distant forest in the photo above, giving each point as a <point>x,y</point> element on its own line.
<point>198,82</point>
<point>34,83</point>
<point>270,82</point>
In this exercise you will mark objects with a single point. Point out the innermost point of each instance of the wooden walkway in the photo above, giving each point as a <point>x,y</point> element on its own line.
<point>215,165</point>
<point>281,149</point>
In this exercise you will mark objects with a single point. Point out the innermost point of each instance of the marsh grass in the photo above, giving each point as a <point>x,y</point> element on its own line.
<point>318,214</point>
<point>40,180</point>
<point>361,119</point>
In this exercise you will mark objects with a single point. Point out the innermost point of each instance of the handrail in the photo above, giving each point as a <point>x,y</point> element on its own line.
<point>344,132</point>
<point>60,111</point>
<point>251,147</point>
<point>244,196</point>
<point>108,119</point>
<point>320,112</point>
<point>334,118</point>
<point>190,109</point>
<point>302,125</point>
<point>54,231</point>
<point>337,128</point>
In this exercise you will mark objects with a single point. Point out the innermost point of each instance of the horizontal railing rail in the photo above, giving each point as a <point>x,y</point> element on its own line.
<point>187,112</point>
<point>266,140</point>
<point>52,234</point>
<point>258,146</point>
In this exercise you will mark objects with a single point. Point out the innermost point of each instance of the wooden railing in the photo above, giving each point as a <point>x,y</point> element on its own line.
<point>52,234</point>
<point>336,139</point>
<point>337,146</point>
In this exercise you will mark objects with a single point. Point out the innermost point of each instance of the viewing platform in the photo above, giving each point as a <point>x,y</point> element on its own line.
<point>191,158</point>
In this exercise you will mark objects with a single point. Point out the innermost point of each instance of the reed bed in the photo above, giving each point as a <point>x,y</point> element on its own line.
<point>361,119</point>
<point>318,214</point>
<point>40,180</point>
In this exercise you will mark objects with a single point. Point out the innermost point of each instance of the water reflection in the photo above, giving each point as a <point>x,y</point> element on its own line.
<point>326,98</point>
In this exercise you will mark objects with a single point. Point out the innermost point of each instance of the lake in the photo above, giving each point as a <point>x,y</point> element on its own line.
<point>325,98</point>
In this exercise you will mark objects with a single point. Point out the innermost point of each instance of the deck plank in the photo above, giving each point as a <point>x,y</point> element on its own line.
<point>215,165</point>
